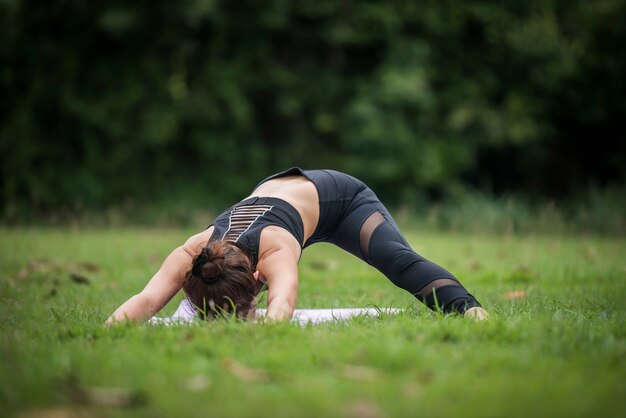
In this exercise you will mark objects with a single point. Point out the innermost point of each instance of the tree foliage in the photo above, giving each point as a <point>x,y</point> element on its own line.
<point>109,101</point>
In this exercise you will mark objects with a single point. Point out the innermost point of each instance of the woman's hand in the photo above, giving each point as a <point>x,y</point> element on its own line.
<point>280,309</point>
<point>477,314</point>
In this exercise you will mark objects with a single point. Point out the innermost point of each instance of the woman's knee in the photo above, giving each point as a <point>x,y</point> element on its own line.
<point>388,251</point>
<point>392,255</point>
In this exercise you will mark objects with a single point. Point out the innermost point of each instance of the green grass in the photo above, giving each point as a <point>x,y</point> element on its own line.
<point>560,351</point>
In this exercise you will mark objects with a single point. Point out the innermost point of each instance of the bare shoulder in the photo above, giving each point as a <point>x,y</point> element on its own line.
<point>196,242</point>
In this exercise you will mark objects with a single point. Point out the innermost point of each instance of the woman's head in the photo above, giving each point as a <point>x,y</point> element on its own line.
<point>221,281</point>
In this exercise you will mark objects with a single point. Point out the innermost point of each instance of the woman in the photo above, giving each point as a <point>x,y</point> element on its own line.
<point>259,241</point>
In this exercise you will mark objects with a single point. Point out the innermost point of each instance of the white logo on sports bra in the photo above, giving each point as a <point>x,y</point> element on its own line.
<point>241,219</point>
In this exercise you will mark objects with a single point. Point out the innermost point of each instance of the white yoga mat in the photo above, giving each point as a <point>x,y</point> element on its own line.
<point>186,314</point>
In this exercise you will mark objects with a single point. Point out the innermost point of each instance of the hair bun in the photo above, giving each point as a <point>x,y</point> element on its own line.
<point>209,270</point>
<point>205,266</point>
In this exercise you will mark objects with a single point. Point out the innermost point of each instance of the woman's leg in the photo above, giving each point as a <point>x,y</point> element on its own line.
<point>370,233</point>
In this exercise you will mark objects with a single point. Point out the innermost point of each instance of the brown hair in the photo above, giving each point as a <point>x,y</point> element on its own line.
<point>221,281</point>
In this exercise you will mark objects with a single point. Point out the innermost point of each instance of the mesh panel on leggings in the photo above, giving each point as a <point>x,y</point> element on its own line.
<point>367,230</point>
<point>428,289</point>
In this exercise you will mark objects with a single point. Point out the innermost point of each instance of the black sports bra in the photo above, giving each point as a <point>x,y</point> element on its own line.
<point>242,223</point>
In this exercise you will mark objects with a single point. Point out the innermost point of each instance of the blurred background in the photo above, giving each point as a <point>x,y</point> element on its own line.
<point>482,115</point>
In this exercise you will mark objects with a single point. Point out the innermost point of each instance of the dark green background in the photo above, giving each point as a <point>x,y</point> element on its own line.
<point>106,103</point>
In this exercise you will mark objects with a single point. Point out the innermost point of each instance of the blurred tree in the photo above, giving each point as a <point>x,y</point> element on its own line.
<point>112,102</point>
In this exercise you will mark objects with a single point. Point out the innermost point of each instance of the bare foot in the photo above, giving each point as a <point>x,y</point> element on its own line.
<point>477,314</point>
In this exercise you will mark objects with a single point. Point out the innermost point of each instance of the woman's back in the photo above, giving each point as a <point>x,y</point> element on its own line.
<point>299,192</point>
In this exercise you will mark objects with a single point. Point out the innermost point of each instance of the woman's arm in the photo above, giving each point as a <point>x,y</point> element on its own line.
<point>280,269</point>
<point>163,285</point>
<point>159,290</point>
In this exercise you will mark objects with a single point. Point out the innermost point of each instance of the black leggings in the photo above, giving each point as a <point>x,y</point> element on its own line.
<point>352,217</point>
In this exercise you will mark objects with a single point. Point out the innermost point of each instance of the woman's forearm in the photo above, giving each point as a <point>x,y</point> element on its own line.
<point>138,308</point>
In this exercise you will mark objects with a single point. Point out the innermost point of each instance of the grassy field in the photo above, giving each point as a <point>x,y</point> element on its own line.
<point>556,346</point>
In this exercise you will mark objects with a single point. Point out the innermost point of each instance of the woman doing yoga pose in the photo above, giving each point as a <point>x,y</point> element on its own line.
<point>260,239</point>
